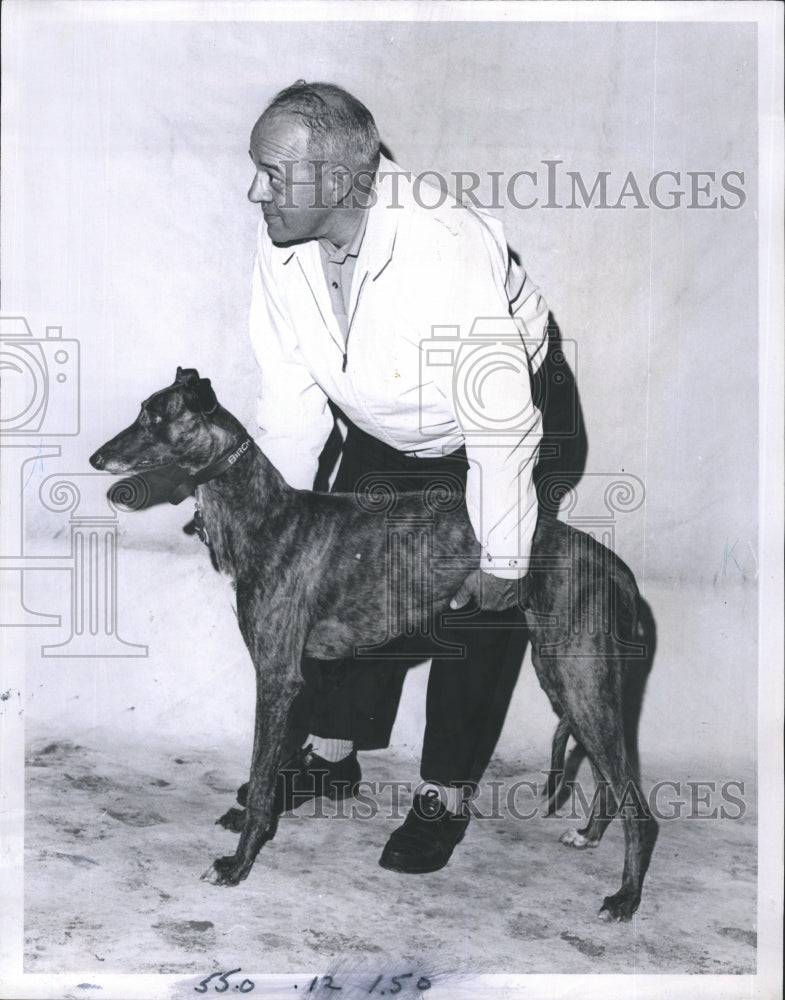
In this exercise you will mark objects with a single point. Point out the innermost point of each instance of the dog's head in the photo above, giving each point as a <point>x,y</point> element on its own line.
<point>174,426</point>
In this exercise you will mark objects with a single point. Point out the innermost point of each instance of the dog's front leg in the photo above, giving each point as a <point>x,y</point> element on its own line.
<point>275,696</point>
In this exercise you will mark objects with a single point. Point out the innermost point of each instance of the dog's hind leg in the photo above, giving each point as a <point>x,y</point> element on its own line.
<point>603,809</point>
<point>561,780</point>
<point>589,690</point>
<point>553,786</point>
<point>601,733</point>
<point>640,836</point>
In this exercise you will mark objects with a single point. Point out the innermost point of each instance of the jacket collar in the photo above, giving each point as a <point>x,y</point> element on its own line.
<point>383,217</point>
<point>392,199</point>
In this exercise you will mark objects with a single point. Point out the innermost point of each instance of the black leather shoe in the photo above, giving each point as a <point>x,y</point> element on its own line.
<point>425,841</point>
<point>307,776</point>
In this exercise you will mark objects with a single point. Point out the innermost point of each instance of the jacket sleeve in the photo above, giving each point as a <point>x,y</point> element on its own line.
<point>501,322</point>
<point>530,310</point>
<point>292,411</point>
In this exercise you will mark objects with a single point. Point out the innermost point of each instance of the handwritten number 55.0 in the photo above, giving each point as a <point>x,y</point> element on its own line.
<point>223,977</point>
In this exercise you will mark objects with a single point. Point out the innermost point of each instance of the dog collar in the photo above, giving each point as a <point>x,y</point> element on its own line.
<point>219,466</point>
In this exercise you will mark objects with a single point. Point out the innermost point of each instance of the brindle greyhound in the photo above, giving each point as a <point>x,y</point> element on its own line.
<point>312,577</point>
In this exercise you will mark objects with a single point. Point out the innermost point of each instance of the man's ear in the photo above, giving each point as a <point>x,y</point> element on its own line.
<point>341,182</point>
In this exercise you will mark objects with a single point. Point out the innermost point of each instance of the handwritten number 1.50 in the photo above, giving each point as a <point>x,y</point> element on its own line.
<point>422,983</point>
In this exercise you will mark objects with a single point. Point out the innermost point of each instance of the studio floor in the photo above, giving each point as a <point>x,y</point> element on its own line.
<point>131,760</point>
<point>117,836</point>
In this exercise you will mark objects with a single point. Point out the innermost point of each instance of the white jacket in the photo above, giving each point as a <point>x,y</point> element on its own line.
<point>434,357</point>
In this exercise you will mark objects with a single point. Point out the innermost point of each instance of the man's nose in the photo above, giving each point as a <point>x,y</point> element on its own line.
<point>260,191</point>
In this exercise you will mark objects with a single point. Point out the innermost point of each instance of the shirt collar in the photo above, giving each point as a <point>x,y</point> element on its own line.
<point>337,255</point>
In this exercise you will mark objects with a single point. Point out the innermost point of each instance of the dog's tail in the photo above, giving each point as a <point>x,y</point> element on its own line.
<point>556,774</point>
<point>645,630</point>
<point>635,677</point>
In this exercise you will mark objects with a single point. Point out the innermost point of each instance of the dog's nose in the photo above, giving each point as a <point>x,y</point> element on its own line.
<point>97,460</point>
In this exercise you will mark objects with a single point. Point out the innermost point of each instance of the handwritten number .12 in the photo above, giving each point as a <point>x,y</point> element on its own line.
<point>327,982</point>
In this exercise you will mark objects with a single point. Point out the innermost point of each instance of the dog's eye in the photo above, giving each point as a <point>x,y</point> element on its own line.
<point>146,417</point>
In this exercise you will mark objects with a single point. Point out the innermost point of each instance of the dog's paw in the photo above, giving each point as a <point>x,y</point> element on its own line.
<point>620,907</point>
<point>233,820</point>
<point>572,838</point>
<point>224,871</point>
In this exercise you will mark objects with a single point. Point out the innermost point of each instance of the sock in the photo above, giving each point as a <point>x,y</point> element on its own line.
<point>331,750</point>
<point>450,796</point>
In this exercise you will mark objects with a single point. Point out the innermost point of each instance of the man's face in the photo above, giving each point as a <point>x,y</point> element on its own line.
<point>289,186</point>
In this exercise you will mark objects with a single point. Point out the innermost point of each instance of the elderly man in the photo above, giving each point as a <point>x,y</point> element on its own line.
<point>407,322</point>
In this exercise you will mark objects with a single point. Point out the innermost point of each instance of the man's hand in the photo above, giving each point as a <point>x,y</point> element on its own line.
<point>490,592</point>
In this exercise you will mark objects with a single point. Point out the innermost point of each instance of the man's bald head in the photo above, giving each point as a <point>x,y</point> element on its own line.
<point>340,128</point>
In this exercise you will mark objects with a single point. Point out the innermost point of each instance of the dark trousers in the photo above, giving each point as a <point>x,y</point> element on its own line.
<point>468,692</point>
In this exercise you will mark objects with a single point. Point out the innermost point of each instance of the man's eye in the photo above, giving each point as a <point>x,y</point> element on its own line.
<point>276,183</point>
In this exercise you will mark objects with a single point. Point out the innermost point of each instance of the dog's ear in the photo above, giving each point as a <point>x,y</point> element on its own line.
<point>186,376</point>
<point>200,396</point>
<point>206,396</point>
